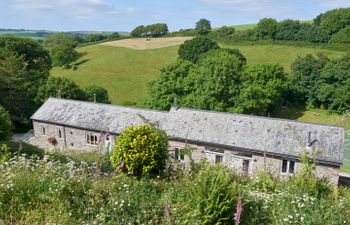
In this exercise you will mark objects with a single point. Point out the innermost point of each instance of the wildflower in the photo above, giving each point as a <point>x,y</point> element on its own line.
<point>122,166</point>
<point>167,213</point>
<point>237,215</point>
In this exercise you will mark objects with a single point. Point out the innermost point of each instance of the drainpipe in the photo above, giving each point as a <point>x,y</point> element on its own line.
<point>64,137</point>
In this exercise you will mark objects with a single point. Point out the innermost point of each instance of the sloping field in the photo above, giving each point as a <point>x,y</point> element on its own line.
<point>148,43</point>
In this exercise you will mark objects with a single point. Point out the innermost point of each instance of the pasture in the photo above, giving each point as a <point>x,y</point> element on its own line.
<point>147,43</point>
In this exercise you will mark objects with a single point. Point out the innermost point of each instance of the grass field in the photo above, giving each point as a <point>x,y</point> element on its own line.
<point>123,72</point>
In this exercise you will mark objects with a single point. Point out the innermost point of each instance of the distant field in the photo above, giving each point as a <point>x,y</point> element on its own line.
<point>123,72</point>
<point>148,43</point>
<point>281,54</point>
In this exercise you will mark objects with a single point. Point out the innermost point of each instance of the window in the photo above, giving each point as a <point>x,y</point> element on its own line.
<point>179,154</point>
<point>219,159</point>
<point>214,156</point>
<point>43,130</point>
<point>91,139</point>
<point>288,167</point>
<point>242,164</point>
<point>59,131</point>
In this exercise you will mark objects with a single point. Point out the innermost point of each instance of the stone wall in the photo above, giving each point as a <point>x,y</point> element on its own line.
<point>72,138</point>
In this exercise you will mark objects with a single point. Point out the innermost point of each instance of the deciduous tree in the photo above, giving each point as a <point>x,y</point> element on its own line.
<point>203,26</point>
<point>192,49</point>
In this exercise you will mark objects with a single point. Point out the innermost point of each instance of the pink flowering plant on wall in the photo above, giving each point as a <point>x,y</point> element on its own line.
<point>52,140</point>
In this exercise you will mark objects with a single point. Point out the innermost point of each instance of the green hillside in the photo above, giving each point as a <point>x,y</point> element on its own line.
<point>123,72</point>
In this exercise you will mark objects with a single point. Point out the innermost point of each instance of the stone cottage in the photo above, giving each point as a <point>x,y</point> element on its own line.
<point>247,144</point>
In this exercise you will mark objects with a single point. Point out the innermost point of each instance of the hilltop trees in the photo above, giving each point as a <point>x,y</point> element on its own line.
<point>192,49</point>
<point>203,26</point>
<point>24,67</point>
<point>153,30</point>
<point>267,28</point>
<point>61,47</point>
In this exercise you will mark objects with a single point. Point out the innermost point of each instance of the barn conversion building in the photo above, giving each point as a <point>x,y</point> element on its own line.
<point>248,144</point>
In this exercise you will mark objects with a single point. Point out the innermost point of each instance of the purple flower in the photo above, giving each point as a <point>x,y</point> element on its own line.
<point>239,209</point>
<point>167,213</point>
<point>108,134</point>
<point>122,166</point>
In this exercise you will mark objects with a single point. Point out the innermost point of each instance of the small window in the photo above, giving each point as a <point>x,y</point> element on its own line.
<point>91,139</point>
<point>43,130</point>
<point>219,159</point>
<point>59,130</point>
<point>288,167</point>
<point>179,155</point>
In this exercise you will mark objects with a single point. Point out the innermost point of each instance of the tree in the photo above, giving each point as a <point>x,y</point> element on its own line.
<point>100,93</point>
<point>24,67</point>
<point>5,125</point>
<point>192,49</point>
<point>215,82</point>
<point>288,30</point>
<point>335,20</point>
<point>203,26</point>
<point>342,37</point>
<point>94,37</point>
<point>170,84</point>
<point>262,91</point>
<point>156,30</point>
<point>138,31</point>
<point>59,87</point>
<point>61,47</point>
<point>140,149</point>
<point>267,28</point>
<point>333,87</point>
<point>305,74</point>
<point>114,35</point>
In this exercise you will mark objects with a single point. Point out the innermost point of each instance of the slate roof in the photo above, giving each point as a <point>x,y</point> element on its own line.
<point>275,136</point>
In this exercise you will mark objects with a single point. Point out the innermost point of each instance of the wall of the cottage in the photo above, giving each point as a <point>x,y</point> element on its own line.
<point>257,163</point>
<point>72,138</point>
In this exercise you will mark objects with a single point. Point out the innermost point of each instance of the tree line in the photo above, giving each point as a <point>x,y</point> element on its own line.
<point>153,30</point>
<point>208,77</point>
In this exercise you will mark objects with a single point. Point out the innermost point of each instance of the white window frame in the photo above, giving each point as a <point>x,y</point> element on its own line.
<point>43,130</point>
<point>288,167</point>
<point>88,139</point>
<point>59,129</point>
<point>241,159</point>
<point>206,152</point>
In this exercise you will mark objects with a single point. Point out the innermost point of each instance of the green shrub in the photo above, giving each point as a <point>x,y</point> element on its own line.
<point>4,153</point>
<point>343,36</point>
<point>214,194</point>
<point>263,182</point>
<point>141,149</point>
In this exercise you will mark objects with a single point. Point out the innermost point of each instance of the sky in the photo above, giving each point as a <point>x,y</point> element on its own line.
<point>124,15</point>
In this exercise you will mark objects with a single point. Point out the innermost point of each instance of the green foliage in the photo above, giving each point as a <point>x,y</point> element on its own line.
<point>114,35</point>
<point>263,182</point>
<point>170,84</point>
<point>214,194</point>
<point>192,49</point>
<point>59,87</point>
<point>153,30</point>
<point>288,30</point>
<point>343,36</point>
<point>215,81</point>
<point>4,153</point>
<point>263,90</point>
<point>100,93</point>
<point>61,47</point>
<point>24,67</point>
<point>95,37</point>
<point>267,28</point>
<point>203,26</point>
<point>335,20</point>
<point>141,149</point>
<point>5,125</point>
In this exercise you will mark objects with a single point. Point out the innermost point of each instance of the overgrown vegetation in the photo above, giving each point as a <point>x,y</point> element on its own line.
<point>44,190</point>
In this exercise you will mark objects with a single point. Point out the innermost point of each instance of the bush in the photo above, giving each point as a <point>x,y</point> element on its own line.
<point>5,125</point>
<point>141,149</point>
<point>100,93</point>
<point>343,36</point>
<point>192,49</point>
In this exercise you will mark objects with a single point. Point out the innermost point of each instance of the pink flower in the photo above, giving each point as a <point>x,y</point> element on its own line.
<point>239,209</point>
<point>122,166</point>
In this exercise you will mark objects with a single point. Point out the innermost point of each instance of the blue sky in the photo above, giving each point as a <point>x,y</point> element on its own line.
<point>123,15</point>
